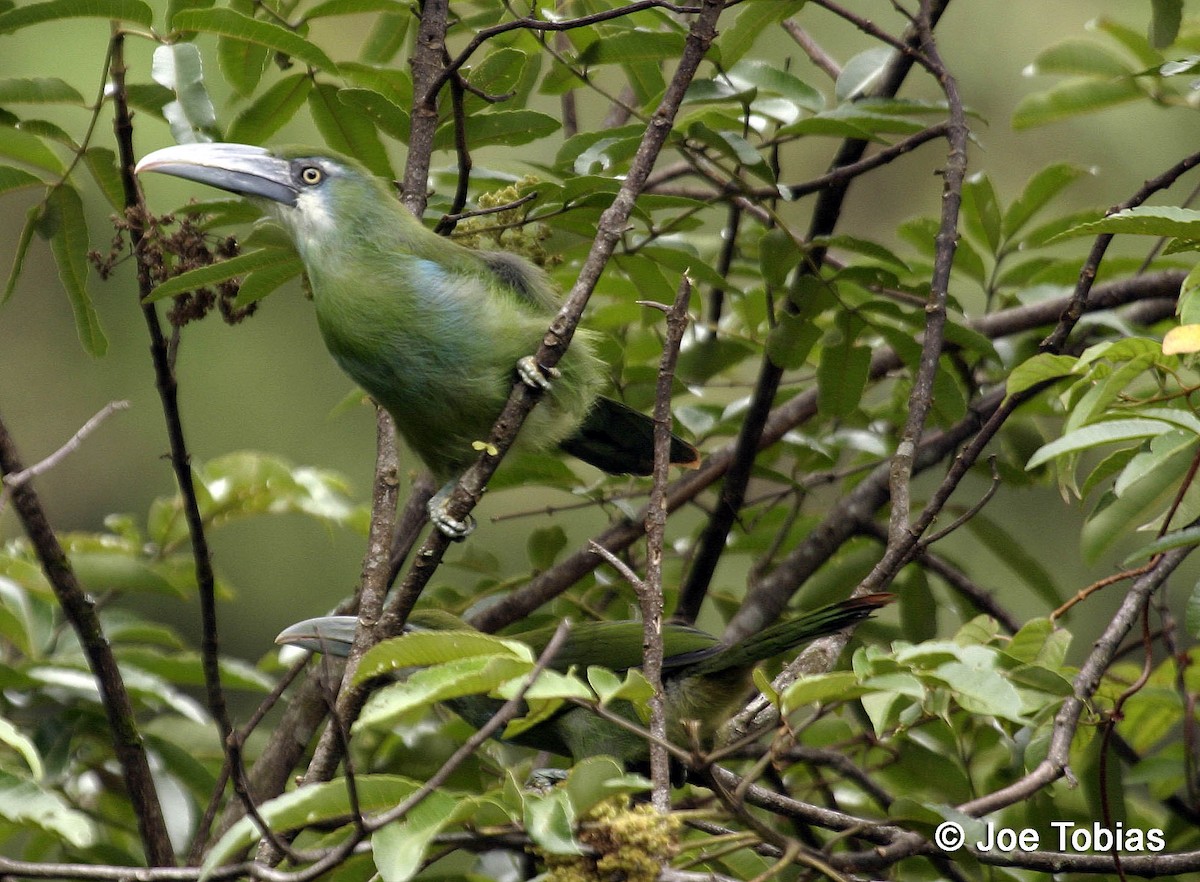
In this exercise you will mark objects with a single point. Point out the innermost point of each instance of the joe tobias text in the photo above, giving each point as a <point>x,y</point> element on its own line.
<point>1075,838</point>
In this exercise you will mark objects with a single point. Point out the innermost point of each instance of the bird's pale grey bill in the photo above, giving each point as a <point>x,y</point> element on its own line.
<point>238,168</point>
<point>333,635</point>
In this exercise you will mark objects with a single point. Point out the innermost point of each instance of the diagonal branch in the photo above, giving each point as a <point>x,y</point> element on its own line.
<point>80,611</point>
<point>920,399</point>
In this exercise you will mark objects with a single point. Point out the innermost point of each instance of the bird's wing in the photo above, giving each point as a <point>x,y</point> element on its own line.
<point>530,283</point>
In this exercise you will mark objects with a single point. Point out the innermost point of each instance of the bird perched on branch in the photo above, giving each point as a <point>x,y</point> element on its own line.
<point>435,332</point>
<point>703,679</point>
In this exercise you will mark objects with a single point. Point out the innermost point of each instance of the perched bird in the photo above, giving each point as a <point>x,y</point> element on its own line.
<point>432,330</point>
<point>703,679</point>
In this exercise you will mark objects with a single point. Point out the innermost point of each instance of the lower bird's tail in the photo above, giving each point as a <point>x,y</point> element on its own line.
<point>790,634</point>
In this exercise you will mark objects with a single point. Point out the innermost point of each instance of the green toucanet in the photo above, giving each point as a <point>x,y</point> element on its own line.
<point>431,329</point>
<point>703,679</point>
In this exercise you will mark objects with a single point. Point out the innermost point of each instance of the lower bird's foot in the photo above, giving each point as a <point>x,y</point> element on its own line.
<point>544,780</point>
<point>534,375</point>
<point>439,514</point>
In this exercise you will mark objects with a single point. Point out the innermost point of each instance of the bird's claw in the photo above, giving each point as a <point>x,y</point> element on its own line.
<point>534,375</point>
<point>439,514</point>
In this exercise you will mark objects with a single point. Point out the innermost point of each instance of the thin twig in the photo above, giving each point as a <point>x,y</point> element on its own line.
<point>920,399</point>
<point>656,526</point>
<point>70,446</point>
<point>816,54</point>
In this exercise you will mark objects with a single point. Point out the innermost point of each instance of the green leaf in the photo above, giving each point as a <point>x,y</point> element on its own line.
<point>418,648</point>
<point>11,736</point>
<point>842,377</point>
<point>981,211</point>
<point>1185,538</point>
<point>204,276</point>
<point>550,822</point>
<point>791,340</point>
<point>28,149</point>
<point>242,63</point>
<point>178,67</point>
<point>545,545</point>
<point>228,23</point>
<point>352,7</point>
<point>1095,435</point>
<point>508,127</point>
<point>187,669</point>
<point>388,116</point>
<point>1114,515</point>
<point>1041,368</point>
<point>778,255</point>
<point>1038,193</point>
<point>257,284</point>
<point>1073,98</point>
<point>733,146</point>
<point>16,179</point>
<point>978,688</point>
<point>310,805</point>
<point>386,38</point>
<point>394,85</point>
<point>1192,615</point>
<point>753,19</point>
<point>65,225</point>
<point>1040,642</point>
<point>1146,220</point>
<point>813,688</point>
<point>1082,57</point>
<point>400,848</point>
<point>499,72</point>
<point>271,110</point>
<point>25,804</point>
<point>860,74</point>
<point>32,216</point>
<point>102,163</point>
<point>347,129</point>
<point>122,10</point>
<point>40,90</point>
<point>175,6</point>
<point>1155,457</point>
<point>630,44</point>
<point>767,77</point>
<point>474,675</point>
<point>1165,18</point>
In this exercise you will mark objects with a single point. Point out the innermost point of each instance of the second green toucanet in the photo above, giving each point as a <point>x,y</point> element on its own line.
<point>435,332</point>
<point>703,679</point>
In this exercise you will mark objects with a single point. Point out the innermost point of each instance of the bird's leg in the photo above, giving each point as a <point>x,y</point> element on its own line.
<point>534,375</point>
<point>440,516</point>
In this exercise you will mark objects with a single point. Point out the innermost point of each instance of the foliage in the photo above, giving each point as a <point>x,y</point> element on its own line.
<point>821,356</point>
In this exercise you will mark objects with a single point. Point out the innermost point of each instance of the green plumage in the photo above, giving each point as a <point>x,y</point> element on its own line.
<point>703,679</point>
<point>431,329</point>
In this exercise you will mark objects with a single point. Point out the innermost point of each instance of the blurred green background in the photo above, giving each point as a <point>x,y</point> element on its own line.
<point>269,385</point>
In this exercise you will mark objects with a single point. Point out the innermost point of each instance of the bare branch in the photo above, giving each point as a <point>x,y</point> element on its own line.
<point>69,446</point>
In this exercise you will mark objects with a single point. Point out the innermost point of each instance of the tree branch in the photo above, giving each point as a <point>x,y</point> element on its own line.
<point>80,612</point>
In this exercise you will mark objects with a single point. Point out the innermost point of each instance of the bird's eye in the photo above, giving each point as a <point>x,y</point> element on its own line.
<point>310,174</point>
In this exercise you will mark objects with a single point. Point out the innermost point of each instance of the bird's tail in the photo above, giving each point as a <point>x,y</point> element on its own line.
<point>787,635</point>
<point>620,440</point>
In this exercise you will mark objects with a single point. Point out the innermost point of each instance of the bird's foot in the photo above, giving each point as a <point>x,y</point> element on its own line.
<point>534,375</point>
<point>544,780</point>
<point>438,508</point>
